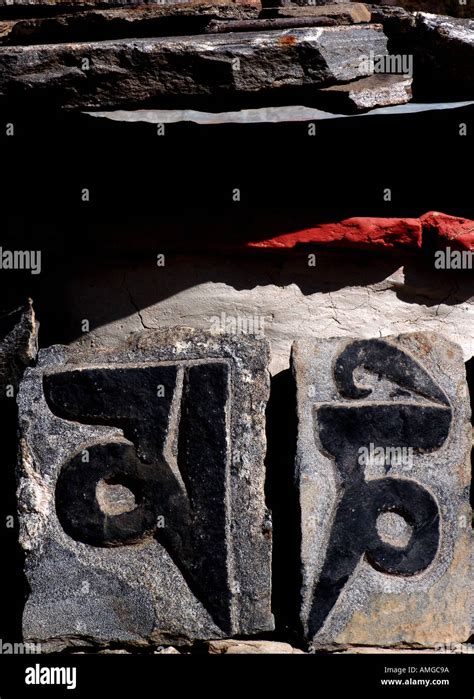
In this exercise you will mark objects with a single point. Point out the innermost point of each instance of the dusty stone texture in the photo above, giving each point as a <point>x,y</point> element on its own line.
<point>343,295</point>
<point>18,344</point>
<point>396,392</point>
<point>175,416</point>
<point>368,93</point>
<point>134,71</point>
<point>234,647</point>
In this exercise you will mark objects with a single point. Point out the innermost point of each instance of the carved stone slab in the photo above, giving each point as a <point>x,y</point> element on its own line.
<point>141,491</point>
<point>383,472</point>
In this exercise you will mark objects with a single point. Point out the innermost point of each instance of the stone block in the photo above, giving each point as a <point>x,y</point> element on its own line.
<point>156,71</point>
<point>383,472</point>
<point>141,491</point>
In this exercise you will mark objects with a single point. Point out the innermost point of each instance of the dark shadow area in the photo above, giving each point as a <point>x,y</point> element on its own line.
<point>106,288</point>
<point>470,383</point>
<point>90,26</point>
<point>282,499</point>
<point>14,586</point>
<point>131,171</point>
<point>150,194</point>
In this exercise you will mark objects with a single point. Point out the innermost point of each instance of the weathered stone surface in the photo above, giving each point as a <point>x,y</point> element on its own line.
<point>444,56</point>
<point>453,8</point>
<point>367,93</point>
<point>18,345</point>
<point>177,546</point>
<point>142,21</point>
<point>344,13</point>
<point>383,470</point>
<point>442,49</point>
<point>274,23</point>
<point>113,73</point>
<point>231,647</point>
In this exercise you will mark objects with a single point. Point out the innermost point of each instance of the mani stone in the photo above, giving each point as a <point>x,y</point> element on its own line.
<point>383,472</point>
<point>141,491</point>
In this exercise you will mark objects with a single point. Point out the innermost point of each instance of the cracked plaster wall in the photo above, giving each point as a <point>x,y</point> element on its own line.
<point>344,294</point>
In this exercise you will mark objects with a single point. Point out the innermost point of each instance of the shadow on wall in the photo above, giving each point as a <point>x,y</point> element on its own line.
<point>282,499</point>
<point>14,585</point>
<point>103,291</point>
<point>99,256</point>
<point>470,383</point>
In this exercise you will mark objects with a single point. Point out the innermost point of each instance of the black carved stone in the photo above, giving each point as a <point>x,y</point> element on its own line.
<point>156,455</point>
<point>372,396</point>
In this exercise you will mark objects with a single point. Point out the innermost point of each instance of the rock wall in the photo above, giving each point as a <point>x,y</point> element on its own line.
<point>248,425</point>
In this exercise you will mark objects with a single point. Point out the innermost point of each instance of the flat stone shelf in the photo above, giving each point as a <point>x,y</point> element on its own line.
<point>341,58</point>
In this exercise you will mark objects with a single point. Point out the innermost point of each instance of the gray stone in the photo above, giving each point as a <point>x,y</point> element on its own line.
<point>141,491</point>
<point>384,428</point>
<point>116,73</point>
<point>444,56</point>
<point>18,345</point>
<point>367,93</point>
<point>442,49</point>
